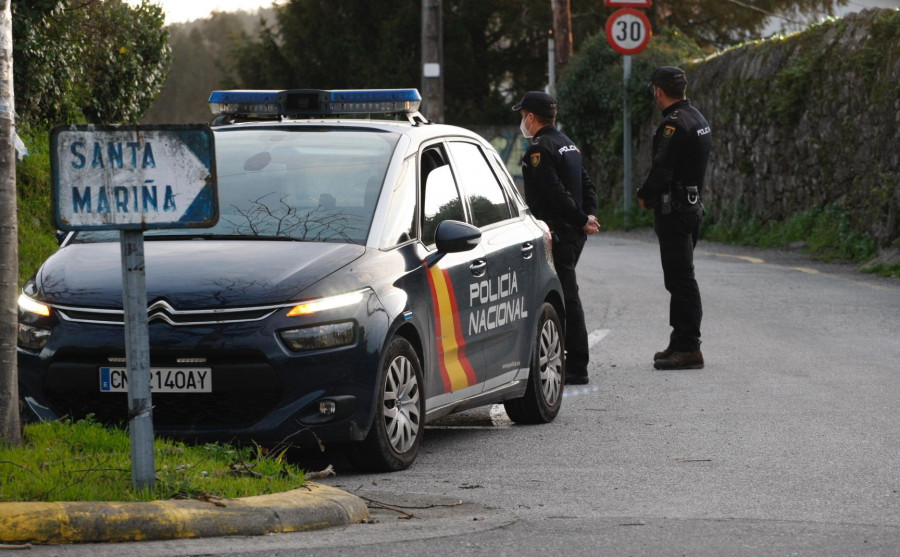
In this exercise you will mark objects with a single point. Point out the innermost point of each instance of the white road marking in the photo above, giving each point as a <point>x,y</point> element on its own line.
<point>597,336</point>
<point>578,391</point>
<point>499,418</point>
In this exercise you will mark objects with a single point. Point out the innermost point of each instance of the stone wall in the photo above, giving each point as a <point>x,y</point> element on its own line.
<point>803,121</point>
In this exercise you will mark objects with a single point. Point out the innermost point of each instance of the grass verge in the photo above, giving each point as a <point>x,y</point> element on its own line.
<point>826,234</point>
<point>37,239</point>
<point>883,270</point>
<point>616,218</point>
<point>86,461</point>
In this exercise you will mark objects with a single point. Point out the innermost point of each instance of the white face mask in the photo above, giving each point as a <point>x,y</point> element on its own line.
<point>524,130</point>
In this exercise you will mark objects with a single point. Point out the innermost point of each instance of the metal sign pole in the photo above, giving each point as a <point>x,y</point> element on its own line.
<point>626,76</point>
<point>628,31</point>
<point>168,181</point>
<point>137,354</point>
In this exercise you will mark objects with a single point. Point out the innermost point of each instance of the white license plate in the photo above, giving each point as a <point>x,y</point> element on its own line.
<point>162,380</point>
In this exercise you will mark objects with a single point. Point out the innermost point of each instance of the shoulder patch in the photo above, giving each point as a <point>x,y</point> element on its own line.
<point>669,132</point>
<point>535,159</point>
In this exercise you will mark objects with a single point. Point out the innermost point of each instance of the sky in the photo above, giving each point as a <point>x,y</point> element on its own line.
<point>179,11</point>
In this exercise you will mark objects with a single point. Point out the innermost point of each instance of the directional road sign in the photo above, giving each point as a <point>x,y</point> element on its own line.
<point>628,31</point>
<point>133,177</point>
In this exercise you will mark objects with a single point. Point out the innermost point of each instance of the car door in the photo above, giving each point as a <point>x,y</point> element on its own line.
<point>499,302</point>
<point>458,372</point>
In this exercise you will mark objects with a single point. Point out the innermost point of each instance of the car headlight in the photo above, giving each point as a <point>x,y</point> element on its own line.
<point>30,305</point>
<point>331,302</point>
<point>318,337</point>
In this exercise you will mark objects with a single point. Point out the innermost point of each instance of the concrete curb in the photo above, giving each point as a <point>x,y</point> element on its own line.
<point>306,508</point>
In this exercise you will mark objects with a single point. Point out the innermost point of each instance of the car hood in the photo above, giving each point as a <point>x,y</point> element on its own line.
<point>193,274</point>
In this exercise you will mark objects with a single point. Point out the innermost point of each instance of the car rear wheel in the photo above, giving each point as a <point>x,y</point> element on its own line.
<point>543,397</point>
<point>396,433</point>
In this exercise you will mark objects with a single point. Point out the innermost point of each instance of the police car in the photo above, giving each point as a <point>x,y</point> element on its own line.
<point>365,277</point>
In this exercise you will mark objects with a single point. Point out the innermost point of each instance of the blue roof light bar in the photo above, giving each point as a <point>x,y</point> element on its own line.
<point>315,102</point>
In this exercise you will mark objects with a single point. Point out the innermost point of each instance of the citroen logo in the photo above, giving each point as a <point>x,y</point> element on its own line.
<point>161,310</point>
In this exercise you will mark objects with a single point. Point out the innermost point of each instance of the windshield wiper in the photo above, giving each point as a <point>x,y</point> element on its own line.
<point>221,237</point>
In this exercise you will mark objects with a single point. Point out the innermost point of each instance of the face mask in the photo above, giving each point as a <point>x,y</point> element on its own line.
<point>525,130</point>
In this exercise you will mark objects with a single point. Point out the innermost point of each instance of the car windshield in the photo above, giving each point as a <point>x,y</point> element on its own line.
<point>316,184</point>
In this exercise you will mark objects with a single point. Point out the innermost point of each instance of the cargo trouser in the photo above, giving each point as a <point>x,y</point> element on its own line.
<point>677,233</point>
<point>565,257</point>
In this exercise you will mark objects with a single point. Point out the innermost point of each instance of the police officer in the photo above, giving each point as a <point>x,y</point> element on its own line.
<point>673,190</point>
<point>559,192</point>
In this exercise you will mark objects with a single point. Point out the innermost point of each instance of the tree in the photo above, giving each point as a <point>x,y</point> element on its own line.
<point>100,61</point>
<point>10,426</point>
<point>202,62</point>
<point>562,31</point>
<point>493,51</point>
<point>714,24</point>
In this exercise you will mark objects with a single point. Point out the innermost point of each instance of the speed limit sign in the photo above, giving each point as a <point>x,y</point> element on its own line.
<point>628,31</point>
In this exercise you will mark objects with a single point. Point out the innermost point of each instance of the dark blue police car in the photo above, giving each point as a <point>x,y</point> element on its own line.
<point>365,277</point>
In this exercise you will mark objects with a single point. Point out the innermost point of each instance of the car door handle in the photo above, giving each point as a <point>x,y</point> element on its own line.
<point>478,267</point>
<point>527,250</point>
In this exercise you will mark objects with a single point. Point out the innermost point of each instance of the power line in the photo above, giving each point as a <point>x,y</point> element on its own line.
<point>768,13</point>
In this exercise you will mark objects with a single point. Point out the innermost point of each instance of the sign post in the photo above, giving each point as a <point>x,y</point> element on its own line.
<point>628,31</point>
<point>134,178</point>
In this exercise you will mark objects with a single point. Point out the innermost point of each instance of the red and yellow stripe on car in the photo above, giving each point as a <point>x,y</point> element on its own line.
<point>456,371</point>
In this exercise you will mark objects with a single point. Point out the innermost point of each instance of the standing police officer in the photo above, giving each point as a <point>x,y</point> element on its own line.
<point>559,192</point>
<point>673,190</point>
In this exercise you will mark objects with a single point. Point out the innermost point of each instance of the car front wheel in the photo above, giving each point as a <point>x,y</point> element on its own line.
<point>543,397</point>
<point>396,433</point>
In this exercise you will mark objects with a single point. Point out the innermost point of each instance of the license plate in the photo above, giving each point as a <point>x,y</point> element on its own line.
<point>162,380</point>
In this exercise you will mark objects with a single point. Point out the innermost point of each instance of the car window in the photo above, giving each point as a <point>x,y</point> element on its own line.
<point>301,183</point>
<point>441,197</point>
<point>400,224</point>
<point>505,178</point>
<point>484,194</point>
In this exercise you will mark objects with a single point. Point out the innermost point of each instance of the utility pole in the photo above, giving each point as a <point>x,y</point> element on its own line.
<point>10,422</point>
<point>433,60</point>
<point>551,64</point>
<point>562,32</point>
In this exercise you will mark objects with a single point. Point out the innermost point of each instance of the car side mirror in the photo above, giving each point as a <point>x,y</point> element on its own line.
<point>60,236</point>
<point>453,236</point>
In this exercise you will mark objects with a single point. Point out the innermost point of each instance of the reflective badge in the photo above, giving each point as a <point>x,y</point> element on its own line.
<point>536,159</point>
<point>668,132</point>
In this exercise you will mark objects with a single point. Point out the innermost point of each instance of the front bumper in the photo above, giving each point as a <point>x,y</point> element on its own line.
<point>261,391</point>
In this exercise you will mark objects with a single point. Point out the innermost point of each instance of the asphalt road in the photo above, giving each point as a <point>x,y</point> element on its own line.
<point>787,443</point>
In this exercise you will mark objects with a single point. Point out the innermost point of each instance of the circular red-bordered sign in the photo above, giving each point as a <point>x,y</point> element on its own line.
<point>628,31</point>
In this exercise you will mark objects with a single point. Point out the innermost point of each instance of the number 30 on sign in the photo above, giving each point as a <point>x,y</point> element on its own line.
<point>628,31</point>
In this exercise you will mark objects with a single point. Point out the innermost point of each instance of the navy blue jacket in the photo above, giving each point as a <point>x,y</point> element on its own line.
<point>681,148</point>
<point>558,189</point>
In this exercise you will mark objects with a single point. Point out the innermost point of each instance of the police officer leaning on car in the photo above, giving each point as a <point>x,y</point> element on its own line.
<point>673,190</point>
<point>559,192</point>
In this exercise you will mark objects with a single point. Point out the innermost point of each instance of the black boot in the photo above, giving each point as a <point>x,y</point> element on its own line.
<point>681,360</point>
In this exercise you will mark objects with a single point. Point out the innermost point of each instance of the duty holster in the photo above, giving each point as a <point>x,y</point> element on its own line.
<point>685,198</point>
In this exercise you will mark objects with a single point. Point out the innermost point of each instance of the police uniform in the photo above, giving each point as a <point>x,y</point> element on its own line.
<point>559,192</point>
<point>673,189</point>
